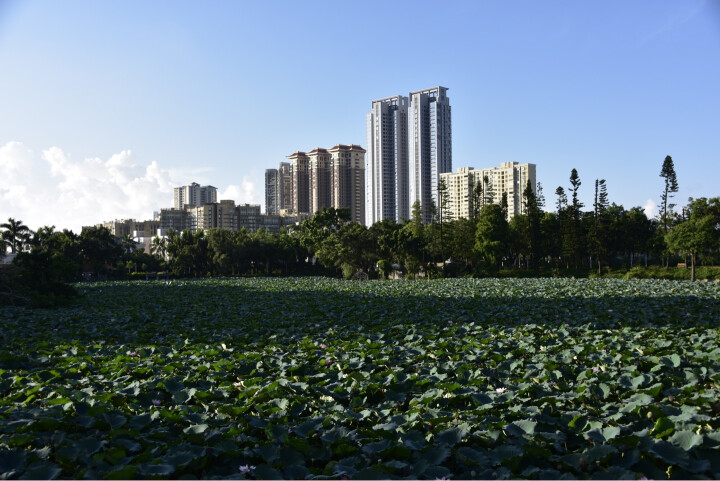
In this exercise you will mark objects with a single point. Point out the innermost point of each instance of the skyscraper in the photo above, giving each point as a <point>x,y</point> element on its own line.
<point>430,146</point>
<point>299,172</point>
<point>386,171</point>
<point>278,189</point>
<point>271,191</point>
<point>409,141</point>
<point>194,194</point>
<point>320,178</point>
<point>347,178</point>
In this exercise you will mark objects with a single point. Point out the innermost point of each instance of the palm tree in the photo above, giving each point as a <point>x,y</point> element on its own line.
<point>159,247</point>
<point>16,234</point>
<point>127,244</point>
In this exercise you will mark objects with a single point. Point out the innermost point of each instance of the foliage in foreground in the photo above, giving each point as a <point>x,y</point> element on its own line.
<point>315,377</point>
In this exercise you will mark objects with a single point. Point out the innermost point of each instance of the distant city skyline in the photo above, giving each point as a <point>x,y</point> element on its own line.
<point>106,107</point>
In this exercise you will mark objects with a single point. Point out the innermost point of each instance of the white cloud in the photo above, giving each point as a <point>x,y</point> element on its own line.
<point>58,190</point>
<point>246,193</point>
<point>651,209</point>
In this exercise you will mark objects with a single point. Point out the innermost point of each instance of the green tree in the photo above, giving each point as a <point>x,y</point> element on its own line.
<point>504,204</point>
<point>534,213</point>
<point>15,234</point>
<point>519,239</point>
<point>562,203</point>
<point>600,205</point>
<point>444,213</point>
<point>462,242</point>
<point>476,199</point>
<point>384,237</point>
<point>127,244</point>
<point>492,235</point>
<point>99,250</point>
<point>573,243</point>
<point>489,191</point>
<point>667,172</point>
<point>692,237</point>
<point>159,247</point>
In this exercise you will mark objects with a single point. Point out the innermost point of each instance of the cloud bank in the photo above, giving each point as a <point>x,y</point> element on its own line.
<point>651,209</point>
<point>54,189</point>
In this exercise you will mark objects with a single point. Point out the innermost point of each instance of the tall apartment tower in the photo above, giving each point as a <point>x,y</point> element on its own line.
<point>284,188</point>
<point>347,177</point>
<point>278,189</point>
<point>299,174</point>
<point>271,191</point>
<point>430,145</point>
<point>194,194</point>
<point>386,170</point>
<point>318,179</point>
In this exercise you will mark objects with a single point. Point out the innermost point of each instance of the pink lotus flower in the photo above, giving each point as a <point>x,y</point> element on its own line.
<point>500,390</point>
<point>244,469</point>
<point>323,346</point>
<point>156,402</point>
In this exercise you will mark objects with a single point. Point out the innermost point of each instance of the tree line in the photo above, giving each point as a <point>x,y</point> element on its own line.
<point>572,238</point>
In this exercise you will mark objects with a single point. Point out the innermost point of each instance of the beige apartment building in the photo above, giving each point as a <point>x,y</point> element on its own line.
<point>318,180</point>
<point>216,215</point>
<point>347,177</point>
<point>299,170</point>
<point>510,178</point>
<point>332,177</point>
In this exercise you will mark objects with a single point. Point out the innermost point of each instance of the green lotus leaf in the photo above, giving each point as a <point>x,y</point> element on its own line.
<point>12,461</point>
<point>520,428</point>
<point>142,420</point>
<point>184,395</point>
<point>42,470</point>
<point>669,453</point>
<point>473,456</point>
<point>414,440</point>
<point>115,420</point>
<point>299,471</point>
<point>663,427</point>
<point>686,439</point>
<point>157,469</point>
<point>196,429</point>
<point>369,473</point>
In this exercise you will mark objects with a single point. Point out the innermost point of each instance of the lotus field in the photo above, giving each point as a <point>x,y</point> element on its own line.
<point>315,378</point>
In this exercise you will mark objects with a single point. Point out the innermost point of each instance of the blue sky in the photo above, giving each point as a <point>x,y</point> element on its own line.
<point>104,106</point>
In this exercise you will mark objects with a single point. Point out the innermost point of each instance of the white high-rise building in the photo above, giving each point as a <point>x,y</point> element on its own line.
<point>409,144</point>
<point>386,168</point>
<point>430,145</point>
<point>194,194</point>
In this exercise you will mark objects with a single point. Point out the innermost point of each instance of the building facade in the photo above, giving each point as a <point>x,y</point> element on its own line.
<point>300,182</point>
<point>510,179</point>
<point>430,150</point>
<point>321,178</point>
<point>194,194</point>
<point>216,215</point>
<point>271,191</point>
<point>318,180</point>
<point>409,141</point>
<point>347,179</point>
<point>386,168</point>
<point>278,189</point>
<point>177,220</point>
